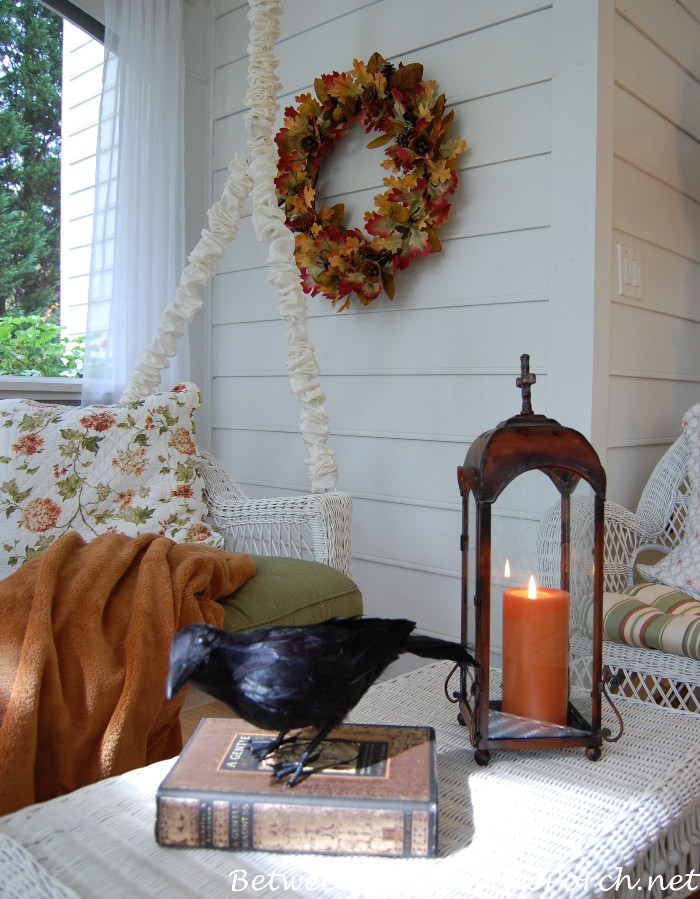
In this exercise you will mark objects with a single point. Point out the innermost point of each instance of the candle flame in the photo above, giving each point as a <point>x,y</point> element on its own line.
<point>506,570</point>
<point>531,588</point>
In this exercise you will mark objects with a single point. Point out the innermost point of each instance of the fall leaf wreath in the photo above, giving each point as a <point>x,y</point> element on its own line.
<point>337,261</point>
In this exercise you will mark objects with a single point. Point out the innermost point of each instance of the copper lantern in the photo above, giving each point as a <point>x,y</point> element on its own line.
<point>540,697</point>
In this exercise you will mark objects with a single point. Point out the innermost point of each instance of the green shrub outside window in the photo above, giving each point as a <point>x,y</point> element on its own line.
<point>30,345</point>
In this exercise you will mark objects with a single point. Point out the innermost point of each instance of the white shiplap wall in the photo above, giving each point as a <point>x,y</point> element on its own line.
<point>655,363</point>
<point>409,384</point>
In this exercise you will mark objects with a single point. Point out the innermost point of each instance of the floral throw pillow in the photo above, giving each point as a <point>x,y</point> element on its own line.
<point>681,567</point>
<point>130,467</point>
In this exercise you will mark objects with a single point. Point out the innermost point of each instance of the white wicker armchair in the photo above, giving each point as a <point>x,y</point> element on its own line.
<point>314,526</point>
<point>656,525</point>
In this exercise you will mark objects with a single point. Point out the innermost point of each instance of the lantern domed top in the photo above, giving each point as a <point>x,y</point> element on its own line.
<point>528,442</point>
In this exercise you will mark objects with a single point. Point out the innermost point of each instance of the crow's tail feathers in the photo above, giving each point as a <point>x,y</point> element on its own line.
<point>433,648</point>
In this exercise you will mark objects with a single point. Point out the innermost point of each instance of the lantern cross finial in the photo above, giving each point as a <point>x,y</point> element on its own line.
<point>525,382</point>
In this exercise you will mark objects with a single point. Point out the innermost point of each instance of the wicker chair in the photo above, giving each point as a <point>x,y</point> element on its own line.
<point>314,526</point>
<point>657,525</point>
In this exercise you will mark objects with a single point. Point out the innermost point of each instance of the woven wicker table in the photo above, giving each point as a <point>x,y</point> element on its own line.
<point>533,823</point>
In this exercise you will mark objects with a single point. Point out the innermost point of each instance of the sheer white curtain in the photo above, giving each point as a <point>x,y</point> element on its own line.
<point>138,249</point>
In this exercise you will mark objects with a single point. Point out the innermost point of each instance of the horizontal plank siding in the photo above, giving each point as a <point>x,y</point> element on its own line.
<point>654,365</point>
<point>481,278</point>
<point>410,383</point>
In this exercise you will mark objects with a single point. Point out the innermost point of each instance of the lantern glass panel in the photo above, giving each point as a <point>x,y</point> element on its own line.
<point>552,645</point>
<point>578,580</point>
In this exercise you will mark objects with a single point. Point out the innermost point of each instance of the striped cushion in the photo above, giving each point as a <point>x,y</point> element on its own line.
<point>653,616</point>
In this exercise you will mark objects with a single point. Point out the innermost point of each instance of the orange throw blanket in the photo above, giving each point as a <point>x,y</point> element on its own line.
<point>85,632</point>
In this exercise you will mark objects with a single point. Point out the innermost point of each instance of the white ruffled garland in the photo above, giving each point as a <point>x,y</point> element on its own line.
<point>256,174</point>
<point>269,224</point>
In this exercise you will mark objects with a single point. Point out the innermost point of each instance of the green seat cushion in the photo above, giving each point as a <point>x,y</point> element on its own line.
<point>290,591</point>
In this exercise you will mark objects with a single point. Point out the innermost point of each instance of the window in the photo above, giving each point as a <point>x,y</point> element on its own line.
<point>50,85</point>
<point>81,92</point>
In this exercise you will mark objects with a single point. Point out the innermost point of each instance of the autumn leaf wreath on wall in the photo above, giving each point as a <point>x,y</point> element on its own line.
<point>337,261</point>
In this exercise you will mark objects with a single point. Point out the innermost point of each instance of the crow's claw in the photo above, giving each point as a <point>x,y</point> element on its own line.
<point>295,769</point>
<point>264,749</point>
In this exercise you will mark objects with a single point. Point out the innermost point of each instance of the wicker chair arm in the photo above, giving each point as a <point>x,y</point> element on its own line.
<point>626,535</point>
<point>641,674</point>
<point>315,526</point>
<point>217,481</point>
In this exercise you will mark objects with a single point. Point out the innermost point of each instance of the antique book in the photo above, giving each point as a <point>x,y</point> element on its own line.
<point>373,791</point>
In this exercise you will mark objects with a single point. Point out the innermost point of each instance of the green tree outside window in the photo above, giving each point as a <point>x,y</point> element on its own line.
<point>31,42</point>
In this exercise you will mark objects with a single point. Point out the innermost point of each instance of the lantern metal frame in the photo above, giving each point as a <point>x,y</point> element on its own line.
<point>523,443</point>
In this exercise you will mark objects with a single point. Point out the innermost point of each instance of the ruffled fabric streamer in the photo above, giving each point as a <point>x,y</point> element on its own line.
<point>254,174</point>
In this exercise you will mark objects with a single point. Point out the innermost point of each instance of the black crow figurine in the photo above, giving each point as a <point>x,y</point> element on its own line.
<point>288,678</point>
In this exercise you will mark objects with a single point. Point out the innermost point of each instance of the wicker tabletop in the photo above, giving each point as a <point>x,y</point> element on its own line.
<point>545,823</point>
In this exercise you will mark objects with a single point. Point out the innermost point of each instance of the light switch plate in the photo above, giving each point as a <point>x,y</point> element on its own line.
<point>629,272</point>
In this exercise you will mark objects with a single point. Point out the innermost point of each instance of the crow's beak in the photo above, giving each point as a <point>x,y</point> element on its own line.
<point>177,678</point>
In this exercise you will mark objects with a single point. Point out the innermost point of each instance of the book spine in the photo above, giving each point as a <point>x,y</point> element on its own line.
<point>241,824</point>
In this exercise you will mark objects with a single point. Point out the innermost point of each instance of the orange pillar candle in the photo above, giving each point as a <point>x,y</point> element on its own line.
<point>536,653</point>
